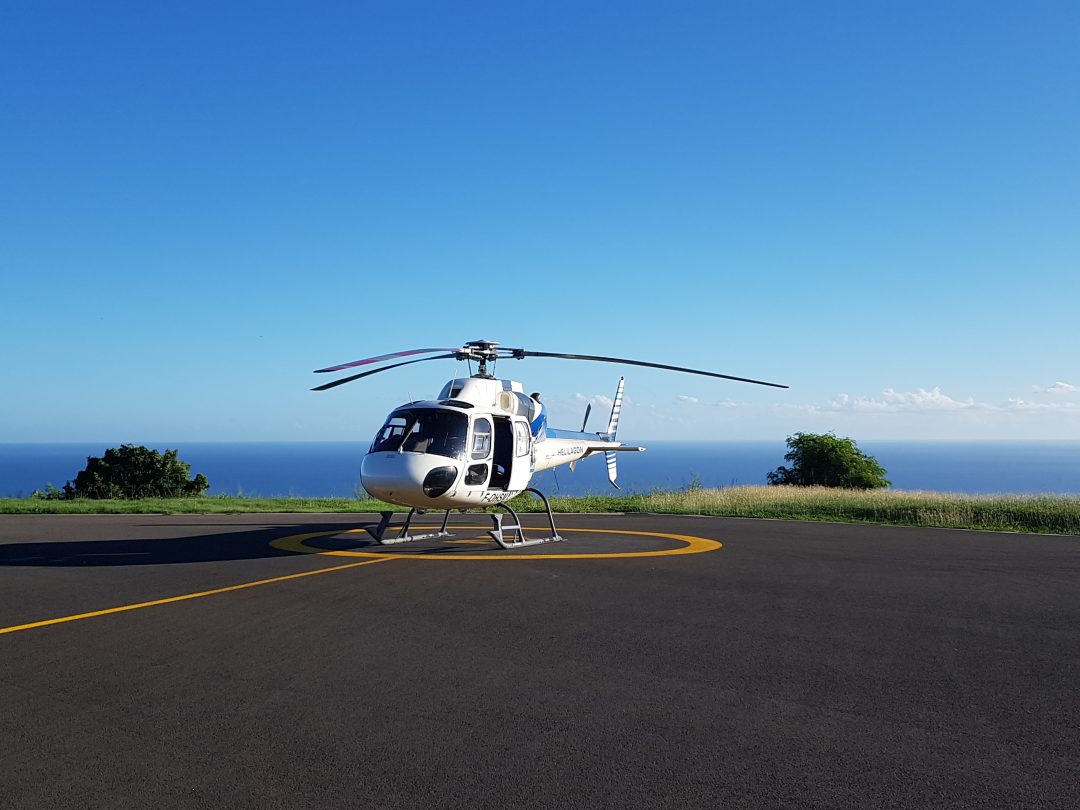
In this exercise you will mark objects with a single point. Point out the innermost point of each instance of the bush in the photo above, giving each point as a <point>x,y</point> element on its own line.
<point>822,459</point>
<point>50,493</point>
<point>131,472</point>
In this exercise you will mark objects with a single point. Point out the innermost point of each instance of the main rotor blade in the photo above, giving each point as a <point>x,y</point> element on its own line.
<point>379,359</point>
<point>344,380</point>
<point>520,354</point>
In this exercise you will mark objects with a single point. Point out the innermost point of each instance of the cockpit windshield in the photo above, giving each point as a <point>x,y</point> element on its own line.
<point>423,430</point>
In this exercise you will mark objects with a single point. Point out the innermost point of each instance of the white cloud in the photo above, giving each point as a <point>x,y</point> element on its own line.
<point>723,403</point>
<point>598,399</point>
<point>893,401</point>
<point>1059,389</point>
<point>919,413</point>
<point>934,400</point>
<point>1024,405</point>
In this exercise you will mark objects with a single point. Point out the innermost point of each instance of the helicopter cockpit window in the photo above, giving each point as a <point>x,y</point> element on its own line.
<point>389,436</point>
<point>424,430</point>
<point>481,442</point>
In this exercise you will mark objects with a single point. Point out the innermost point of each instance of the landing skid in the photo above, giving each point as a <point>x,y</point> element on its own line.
<point>506,536</point>
<point>517,539</point>
<point>379,532</point>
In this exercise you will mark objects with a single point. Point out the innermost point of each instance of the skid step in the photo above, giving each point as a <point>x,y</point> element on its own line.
<point>511,535</point>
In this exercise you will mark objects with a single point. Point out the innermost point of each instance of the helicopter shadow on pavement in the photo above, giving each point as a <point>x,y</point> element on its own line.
<point>198,548</point>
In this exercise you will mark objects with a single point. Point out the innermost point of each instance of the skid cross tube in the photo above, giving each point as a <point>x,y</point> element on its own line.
<point>379,532</point>
<point>497,534</point>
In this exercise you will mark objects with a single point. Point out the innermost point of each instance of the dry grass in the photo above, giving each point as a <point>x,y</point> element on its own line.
<point>1029,513</point>
<point>1054,514</point>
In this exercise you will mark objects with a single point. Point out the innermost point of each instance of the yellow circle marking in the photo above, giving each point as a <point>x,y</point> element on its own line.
<point>692,545</point>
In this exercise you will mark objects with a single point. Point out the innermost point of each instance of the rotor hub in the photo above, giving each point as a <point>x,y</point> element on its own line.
<point>483,352</point>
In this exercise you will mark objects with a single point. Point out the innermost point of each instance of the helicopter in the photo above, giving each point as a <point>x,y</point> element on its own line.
<point>479,442</point>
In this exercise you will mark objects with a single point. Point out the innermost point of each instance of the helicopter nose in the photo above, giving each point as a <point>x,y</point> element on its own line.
<point>407,479</point>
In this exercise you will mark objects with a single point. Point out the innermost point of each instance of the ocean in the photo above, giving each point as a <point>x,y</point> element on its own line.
<point>332,469</point>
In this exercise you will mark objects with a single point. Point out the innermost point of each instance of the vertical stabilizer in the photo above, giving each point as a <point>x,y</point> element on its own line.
<point>616,411</point>
<point>609,434</point>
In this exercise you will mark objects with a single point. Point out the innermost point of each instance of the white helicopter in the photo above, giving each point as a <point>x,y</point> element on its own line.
<point>479,442</point>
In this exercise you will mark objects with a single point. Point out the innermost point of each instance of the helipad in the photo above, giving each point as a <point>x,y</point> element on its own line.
<point>309,544</point>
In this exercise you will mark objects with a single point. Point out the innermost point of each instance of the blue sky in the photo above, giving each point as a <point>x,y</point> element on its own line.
<point>875,203</point>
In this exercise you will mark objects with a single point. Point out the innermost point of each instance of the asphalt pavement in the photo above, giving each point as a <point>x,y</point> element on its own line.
<point>283,661</point>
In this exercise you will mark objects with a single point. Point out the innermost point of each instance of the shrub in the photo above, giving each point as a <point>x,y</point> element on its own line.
<point>131,472</point>
<point>50,493</point>
<point>822,459</point>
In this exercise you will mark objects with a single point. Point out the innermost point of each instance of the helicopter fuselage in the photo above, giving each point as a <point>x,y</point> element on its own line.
<point>478,444</point>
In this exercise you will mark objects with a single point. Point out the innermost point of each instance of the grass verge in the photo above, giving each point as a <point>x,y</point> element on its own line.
<point>1054,514</point>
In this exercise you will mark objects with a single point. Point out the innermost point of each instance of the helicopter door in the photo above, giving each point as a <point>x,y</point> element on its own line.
<point>504,453</point>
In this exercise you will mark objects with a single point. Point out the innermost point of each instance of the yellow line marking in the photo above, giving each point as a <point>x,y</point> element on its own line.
<point>298,543</point>
<point>693,545</point>
<point>168,600</point>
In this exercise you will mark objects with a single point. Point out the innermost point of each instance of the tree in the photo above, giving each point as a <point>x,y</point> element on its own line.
<point>136,472</point>
<point>822,459</point>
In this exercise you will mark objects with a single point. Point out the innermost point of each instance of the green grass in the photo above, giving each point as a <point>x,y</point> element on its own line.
<point>1052,514</point>
<point>229,504</point>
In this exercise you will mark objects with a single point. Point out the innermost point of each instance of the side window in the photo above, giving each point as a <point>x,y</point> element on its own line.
<point>477,474</point>
<point>521,433</point>
<point>481,442</point>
